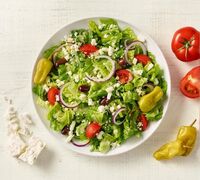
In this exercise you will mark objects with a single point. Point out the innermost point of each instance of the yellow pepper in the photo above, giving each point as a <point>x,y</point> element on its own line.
<point>148,101</point>
<point>182,146</point>
<point>170,150</point>
<point>42,70</point>
<point>187,134</point>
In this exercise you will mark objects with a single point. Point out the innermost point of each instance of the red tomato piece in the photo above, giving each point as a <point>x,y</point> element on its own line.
<point>186,44</point>
<point>51,96</point>
<point>144,59</point>
<point>124,76</point>
<point>190,83</point>
<point>88,49</point>
<point>92,129</point>
<point>142,118</point>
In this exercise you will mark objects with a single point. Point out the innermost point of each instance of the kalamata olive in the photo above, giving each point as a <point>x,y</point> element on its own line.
<point>60,61</point>
<point>104,101</point>
<point>65,130</point>
<point>122,63</point>
<point>84,88</point>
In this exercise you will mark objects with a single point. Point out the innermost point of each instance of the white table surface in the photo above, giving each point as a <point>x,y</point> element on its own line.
<point>25,25</point>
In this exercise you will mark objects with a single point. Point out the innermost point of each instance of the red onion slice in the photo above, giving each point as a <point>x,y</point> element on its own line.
<point>95,79</point>
<point>62,100</point>
<point>80,143</point>
<point>129,47</point>
<point>116,114</point>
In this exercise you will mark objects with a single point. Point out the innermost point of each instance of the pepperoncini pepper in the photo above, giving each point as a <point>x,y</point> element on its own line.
<point>182,146</point>
<point>148,101</point>
<point>42,69</point>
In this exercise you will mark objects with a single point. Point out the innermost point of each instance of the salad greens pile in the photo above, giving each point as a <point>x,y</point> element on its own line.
<point>91,82</point>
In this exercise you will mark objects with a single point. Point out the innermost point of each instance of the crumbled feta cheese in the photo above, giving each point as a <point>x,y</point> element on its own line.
<point>16,145</point>
<point>137,72</point>
<point>110,51</point>
<point>45,87</point>
<point>35,146</point>
<point>100,135</point>
<point>149,66</point>
<point>139,91</point>
<point>114,145</point>
<point>70,40</point>
<point>69,73</point>
<point>26,118</point>
<point>19,147</point>
<point>105,35</point>
<point>82,96</point>
<point>64,51</point>
<point>90,102</point>
<point>69,138</point>
<point>134,61</point>
<point>102,50</point>
<point>13,128</point>
<point>76,78</point>
<point>93,42</point>
<point>101,108</point>
<point>156,81</point>
<point>100,26</point>
<point>24,131</point>
<point>118,106</point>
<point>109,89</point>
<point>72,126</point>
<point>112,109</point>
<point>57,98</point>
<point>66,57</point>
<point>75,47</point>
<point>117,85</point>
<point>109,95</point>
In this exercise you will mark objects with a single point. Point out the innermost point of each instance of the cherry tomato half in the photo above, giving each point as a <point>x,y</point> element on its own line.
<point>92,129</point>
<point>144,59</point>
<point>190,83</point>
<point>142,118</point>
<point>51,96</point>
<point>88,49</point>
<point>124,76</point>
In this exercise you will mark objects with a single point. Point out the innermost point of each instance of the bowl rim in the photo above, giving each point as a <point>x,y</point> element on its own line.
<point>166,103</point>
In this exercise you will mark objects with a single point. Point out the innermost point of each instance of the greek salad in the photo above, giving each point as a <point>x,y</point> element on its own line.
<point>100,86</point>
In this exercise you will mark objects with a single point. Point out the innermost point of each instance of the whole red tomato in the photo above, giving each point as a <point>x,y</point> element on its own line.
<point>190,84</point>
<point>186,44</point>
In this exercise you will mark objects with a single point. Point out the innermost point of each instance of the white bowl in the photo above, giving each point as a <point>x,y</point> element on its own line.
<point>132,142</point>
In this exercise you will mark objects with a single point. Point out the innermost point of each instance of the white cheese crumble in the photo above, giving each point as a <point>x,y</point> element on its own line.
<point>110,51</point>
<point>45,87</point>
<point>76,78</point>
<point>109,89</point>
<point>59,83</point>
<point>112,109</point>
<point>137,72</point>
<point>93,42</point>
<point>69,73</point>
<point>20,147</point>
<point>90,102</point>
<point>57,98</point>
<point>105,35</point>
<point>156,81</point>
<point>135,61</point>
<point>100,135</point>
<point>117,85</point>
<point>82,96</point>
<point>109,95</point>
<point>101,108</point>
<point>149,66</point>
<point>139,91</point>
<point>118,106</point>
<point>16,145</point>
<point>35,146</point>
<point>70,40</point>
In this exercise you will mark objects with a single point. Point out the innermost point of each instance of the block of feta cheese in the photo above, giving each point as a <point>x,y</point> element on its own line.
<point>34,148</point>
<point>16,145</point>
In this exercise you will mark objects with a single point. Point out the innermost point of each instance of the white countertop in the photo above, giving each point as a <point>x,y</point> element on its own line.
<point>26,25</point>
